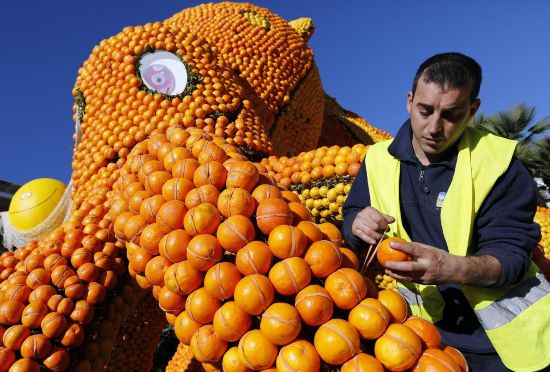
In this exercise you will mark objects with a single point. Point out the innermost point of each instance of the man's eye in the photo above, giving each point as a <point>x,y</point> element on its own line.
<point>424,114</point>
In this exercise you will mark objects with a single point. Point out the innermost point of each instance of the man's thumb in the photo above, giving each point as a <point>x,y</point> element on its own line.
<point>389,219</point>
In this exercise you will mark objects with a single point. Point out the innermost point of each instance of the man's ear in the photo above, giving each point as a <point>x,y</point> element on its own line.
<point>474,107</point>
<point>410,96</point>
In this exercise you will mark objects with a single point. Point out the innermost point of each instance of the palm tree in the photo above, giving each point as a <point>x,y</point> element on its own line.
<point>533,139</point>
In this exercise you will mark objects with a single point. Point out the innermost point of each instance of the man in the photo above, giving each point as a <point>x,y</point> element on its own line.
<point>465,206</point>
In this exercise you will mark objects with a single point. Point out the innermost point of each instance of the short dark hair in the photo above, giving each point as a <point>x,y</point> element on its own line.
<point>452,69</point>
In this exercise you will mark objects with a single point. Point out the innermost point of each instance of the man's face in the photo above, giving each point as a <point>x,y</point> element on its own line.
<point>438,117</point>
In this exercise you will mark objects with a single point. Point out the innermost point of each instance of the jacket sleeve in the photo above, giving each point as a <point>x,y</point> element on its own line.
<point>504,226</point>
<point>357,200</point>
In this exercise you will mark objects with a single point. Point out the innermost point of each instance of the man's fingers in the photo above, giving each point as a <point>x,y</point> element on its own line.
<point>367,236</point>
<point>404,266</point>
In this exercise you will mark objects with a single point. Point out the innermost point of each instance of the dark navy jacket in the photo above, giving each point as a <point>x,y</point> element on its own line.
<point>503,227</point>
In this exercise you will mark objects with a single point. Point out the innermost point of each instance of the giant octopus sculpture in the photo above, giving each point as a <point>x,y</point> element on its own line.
<point>209,170</point>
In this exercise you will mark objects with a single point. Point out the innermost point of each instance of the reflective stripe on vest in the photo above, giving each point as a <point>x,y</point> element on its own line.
<point>414,299</point>
<point>518,299</point>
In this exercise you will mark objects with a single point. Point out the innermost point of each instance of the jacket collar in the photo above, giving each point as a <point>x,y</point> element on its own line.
<point>401,148</point>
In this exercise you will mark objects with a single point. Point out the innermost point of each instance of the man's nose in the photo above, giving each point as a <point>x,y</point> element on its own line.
<point>435,124</point>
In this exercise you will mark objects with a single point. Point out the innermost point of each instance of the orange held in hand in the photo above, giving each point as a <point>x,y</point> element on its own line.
<point>386,253</point>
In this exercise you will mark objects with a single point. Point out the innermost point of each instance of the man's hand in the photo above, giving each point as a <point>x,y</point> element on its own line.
<point>432,265</point>
<point>369,225</point>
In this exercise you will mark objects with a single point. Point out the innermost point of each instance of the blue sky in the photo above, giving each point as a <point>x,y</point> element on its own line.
<point>367,52</point>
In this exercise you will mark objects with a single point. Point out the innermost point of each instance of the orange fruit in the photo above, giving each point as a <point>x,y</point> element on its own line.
<point>287,241</point>
<point>150,207</point>
<point>362,363</point>
<point>290,275</point>
<point>155,269</point>
<point>185,327</point>
<point>370,318</point>
<point>170,215</point>
<point>173,246</point>
<point>171,302</point>
<point>398,348</point>
<point>221,279</point>
<point>280,323</point>
<point>336,341</point>
<point>151,237</point>
<point>311,230</point>
<point>235,232</point>
<point>331,232</point>
<point>185,168</point>
<point>458,358</point>
<point>231,361</point>
<point>242,174</point>
<point>266,191</point>
<point>323,258</point>
<point>206,346</point>
<point>395,303</point>
<point>201,306</point>
<point>254,258</point>
<point>347,287</point>
<point>230,322</point>
<point>386,253</point>
<point>254,293</point>
<point>289,196</point>
<point>255,351</point>
<point>182,278</point>
<point>299,212</point>
<point>177,188</point>
<point>436,360</point>
<point>233,201</point>
<point>271,213</point>
<point>203,194</point>
<point>314,305</point>
<point>204,251</point>
<point>428,333</point>
<point>297,356</point>
<point>202,219</point>
<point>350,259</point>
<point>210,173</point>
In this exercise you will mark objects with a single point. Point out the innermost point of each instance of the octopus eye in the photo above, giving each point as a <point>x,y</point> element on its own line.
<point>163,72</point>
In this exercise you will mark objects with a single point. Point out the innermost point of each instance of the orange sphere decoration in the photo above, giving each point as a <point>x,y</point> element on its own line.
<point>242,174</point>
<point>10,311</point>
<point>173,246</point>
<point>290,275</point>
<point>203,194</point>
<point>436,360</point>
<point>323,258</point>
<point>170,215</point>
<point>201,306</point>
<point>235,232</point>
<point>350,259</point>
<point>202,219</point>
<point>428,333</point>
<point>299,212</point>
<point>362,363</point>
<point>221,279</point>
<point>458,357</point>
<point>398,348</point>
<point>386,253</point>
<point>185,168</point>
<point>395,303</point>
<point>182,278</point>
<point>287,241</point>
<point>254,293</point>
<point>14,336</point>
<point>280,323</point>
<point>204,251</point>
<point>33,314</point>
<point>230,322</point>
<point>25,365</point>
<point>370,318</point>
<point>347,287</point>
<point>7,358</point>
<point>150,238</point>
<point>314,305</point>
<point>155,269</point>
<point>256,351</point>
<point>235,200</point>
<point>271,213</point>
<point>211,173</point>
<point>155,181</point>
<point>264,191</point>
<point>171,302</point>
<point>254,258</point>
<point>206,346</point>
<point>298,355</point>
<point>311,230</point>
<point>185,327</point>
<point>177,188</point>
<point>231,361</point>
<point>331,232</point>
<point>336,341</point>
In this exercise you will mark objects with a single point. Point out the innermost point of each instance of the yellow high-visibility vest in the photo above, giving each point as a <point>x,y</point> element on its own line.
<point>516,318</point>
